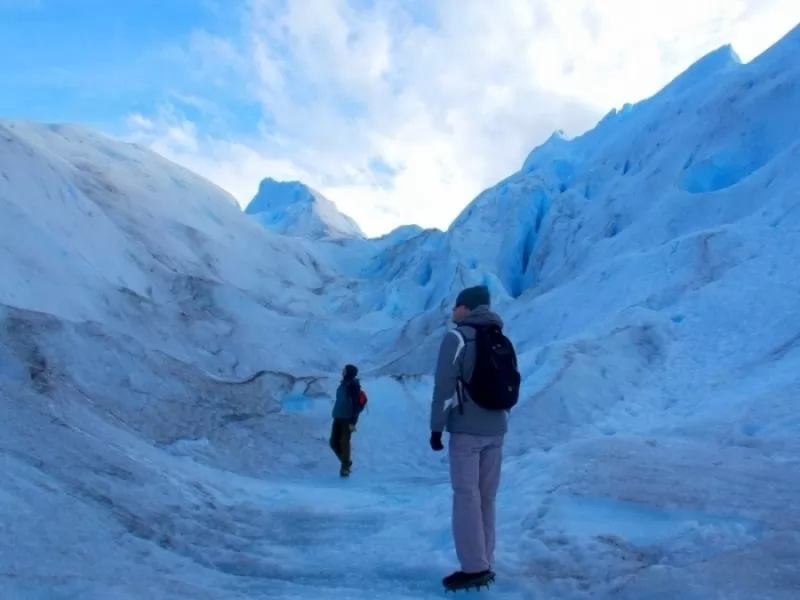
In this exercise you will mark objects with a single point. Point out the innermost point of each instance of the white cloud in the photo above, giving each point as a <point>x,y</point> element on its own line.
<point>452,101</point>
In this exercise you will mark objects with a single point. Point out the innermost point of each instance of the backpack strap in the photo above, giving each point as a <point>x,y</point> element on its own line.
<point>463,341</point>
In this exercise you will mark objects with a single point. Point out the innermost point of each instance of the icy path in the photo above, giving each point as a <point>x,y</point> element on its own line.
<point>361,539</point>
<point>382,533</point>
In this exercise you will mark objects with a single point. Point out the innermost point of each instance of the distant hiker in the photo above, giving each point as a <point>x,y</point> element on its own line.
<point>476,385</point>
<point>350,401</point>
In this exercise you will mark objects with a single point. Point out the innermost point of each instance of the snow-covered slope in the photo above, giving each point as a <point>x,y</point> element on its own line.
<point>648,271</point>
<point>98,230</point>
<point>292,208</point>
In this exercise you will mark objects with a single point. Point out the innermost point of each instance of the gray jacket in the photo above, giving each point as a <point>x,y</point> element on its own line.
<point>456,359</point>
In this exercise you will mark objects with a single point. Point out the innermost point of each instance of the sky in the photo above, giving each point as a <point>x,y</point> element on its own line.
<point>400,111</point>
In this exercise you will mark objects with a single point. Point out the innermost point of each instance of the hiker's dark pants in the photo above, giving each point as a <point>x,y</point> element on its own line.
<point>340,441</point>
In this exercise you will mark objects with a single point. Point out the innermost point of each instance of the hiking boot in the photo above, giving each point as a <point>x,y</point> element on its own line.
<point>344,472</point>
<point>463,581</point>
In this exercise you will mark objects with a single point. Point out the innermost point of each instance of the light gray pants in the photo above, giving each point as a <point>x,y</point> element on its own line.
<point>475,463</point>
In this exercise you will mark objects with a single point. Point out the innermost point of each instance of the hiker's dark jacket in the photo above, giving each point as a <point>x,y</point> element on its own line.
<point>347,406</point>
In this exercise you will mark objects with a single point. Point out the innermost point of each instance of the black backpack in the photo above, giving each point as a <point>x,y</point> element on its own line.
<point>495,380</point>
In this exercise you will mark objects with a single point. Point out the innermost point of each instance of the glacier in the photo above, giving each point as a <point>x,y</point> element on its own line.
<point>167,363</point>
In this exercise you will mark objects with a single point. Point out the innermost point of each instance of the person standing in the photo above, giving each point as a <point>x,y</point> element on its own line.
<point>476,384</point>
<point>350,401</point>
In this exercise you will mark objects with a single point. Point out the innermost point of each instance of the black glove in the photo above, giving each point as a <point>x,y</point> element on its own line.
<point>436,441</point>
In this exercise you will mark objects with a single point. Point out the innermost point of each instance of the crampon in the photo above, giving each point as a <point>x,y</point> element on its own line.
<point>466,581</point>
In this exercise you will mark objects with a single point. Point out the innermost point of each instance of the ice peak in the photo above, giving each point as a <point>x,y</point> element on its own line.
<point>293,208</point>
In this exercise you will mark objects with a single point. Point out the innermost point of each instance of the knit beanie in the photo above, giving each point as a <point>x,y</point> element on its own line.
<point>473,297</point>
